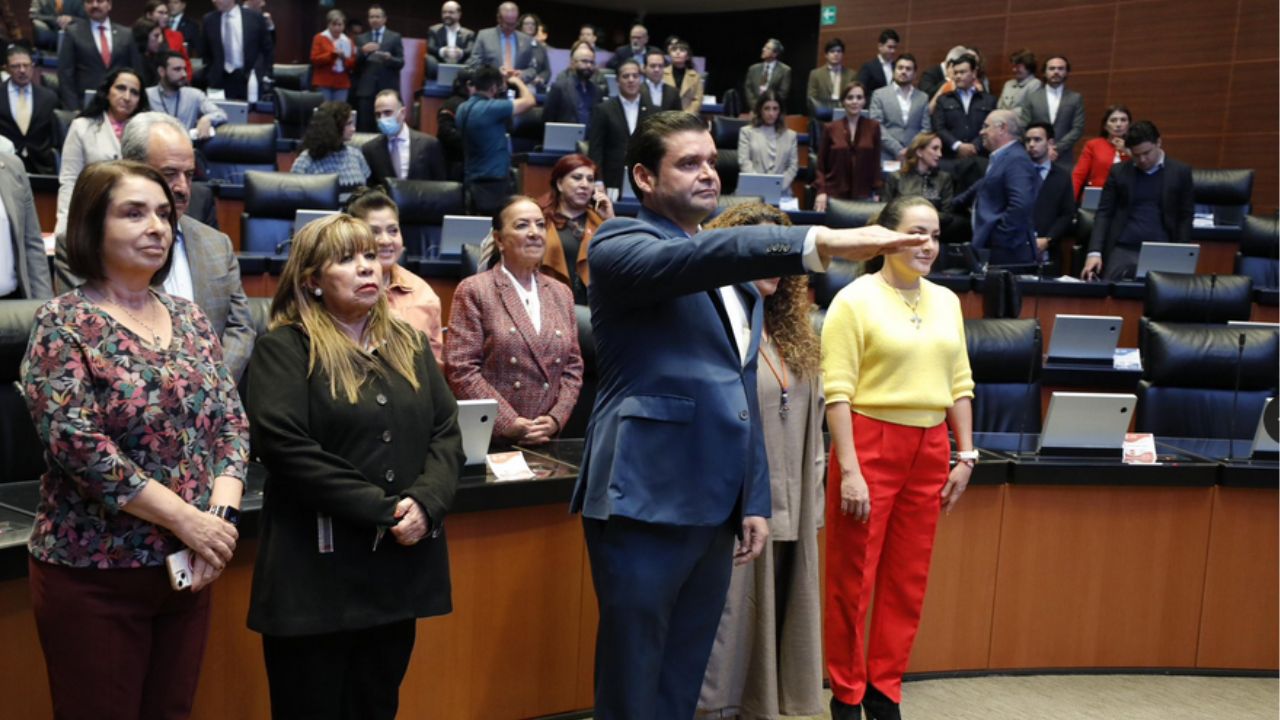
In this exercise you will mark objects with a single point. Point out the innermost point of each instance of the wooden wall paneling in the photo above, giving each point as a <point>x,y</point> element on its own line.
<point>1093,576</point>
<point>1251,106</point>
<point>229,212</point>
<point>1195,150</point>
<point>26,684</point>
<point>1163,33</point>
<point>1260,151</point>
<point>866,13</point>
<point>959,12</point>
<point>859,47</point>
<point>1094,86</point>
<point>1265,313</point>
<point>233,679</point>
<point>589,619</point>
<point>933,38</point>
<point>955,630</point>
<point>1241,605</point>
<point>1256,37</point>
<point>1182,101</point>
<point>1075,32</point>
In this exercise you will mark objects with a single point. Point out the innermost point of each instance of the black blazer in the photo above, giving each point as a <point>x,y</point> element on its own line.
<point>952,123</point>
<point>346,466</point>
<point>426,158</point>
<point>438,37</point>
<point>624,53</point>
<point>374,76</point>
<point>259,47</point>
<point>871,75</point>
<point>80,65</point>
<point>1055,205</point>
<point>190,29</point>
<point>607,137</point>
<point>36,148</point>
<point>562,97</point>
<point>931,80</point>
<point>1177,205</point>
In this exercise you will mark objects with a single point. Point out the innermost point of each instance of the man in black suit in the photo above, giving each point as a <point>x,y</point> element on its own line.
<point>635,50</point>
<point>84,60</point>
<point>661,95</point>
<point>379,60</point>
<point>878,71</point>
<point>577,91</point>
<point>1148,199</point>
<point>959,114</point>
<point>399,152</point>
<point>614,123</point>
<point>932,79</point>
<point>237,46</point>
<point>447,41</point>
<point>26,114</point>
<point>181,20</point>
<point>1055,205</point>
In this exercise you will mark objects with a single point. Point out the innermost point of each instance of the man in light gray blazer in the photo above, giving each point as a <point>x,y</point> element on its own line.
<point>204,267</point>
<point>897,130</point>
<point>30,278</point>
<point>1066,111</point>
<point>197,113</point>
<point>493,45</point>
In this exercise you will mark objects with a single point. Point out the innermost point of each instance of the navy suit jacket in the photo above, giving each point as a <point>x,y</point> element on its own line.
<point>675,435</point>
<point>1004,207</point>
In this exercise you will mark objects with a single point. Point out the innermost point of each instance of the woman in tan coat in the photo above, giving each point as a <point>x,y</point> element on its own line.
<point>684,77</point>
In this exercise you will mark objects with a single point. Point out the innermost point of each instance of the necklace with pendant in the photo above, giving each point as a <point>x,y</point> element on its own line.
<point>784,408</point>
<point>155,336</point>
<point>916,320</point>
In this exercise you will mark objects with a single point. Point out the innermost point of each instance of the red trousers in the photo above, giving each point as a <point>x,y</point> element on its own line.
<point>905,469</point>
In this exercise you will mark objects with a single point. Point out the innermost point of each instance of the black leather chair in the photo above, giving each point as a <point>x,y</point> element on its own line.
<point>1188,386</point>
<point>840,272</point>
<point>851,213</point>
<point>271,199</point>
<point>724,130</point>
<point>1003,356</point>
<point>20,447</point>
<point>1228,192</point>
<point>239,149</point>
<point>1194,300</point>
<point>292,77</point>
<point>576,425</point>
<point>1260,251</point>
<point>293,111</point>
<point>471,259</point>
<point>423,205</point>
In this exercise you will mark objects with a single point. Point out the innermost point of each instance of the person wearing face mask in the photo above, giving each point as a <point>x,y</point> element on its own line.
<point>400,152</point>
<point>578,89</point>
<point>513,333</point>
<point>849,154</point>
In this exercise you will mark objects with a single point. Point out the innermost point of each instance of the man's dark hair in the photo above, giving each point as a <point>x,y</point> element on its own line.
<point>1025,58</point>
<point>630,61</point>
<point>486,78</point>
<point>1046,127</point>
<point>966,58</point>
<point>649,143</point>
<point>323,135</point>
<point>777,46</point>
<point>17,49</point>
<point>654,51</point>
<point>1143,131</point>
<point>102,99</point>
<point>595,30</point>
<point>908,57</point>
<point>163,57</point>
<point>392,92</point>
<point>833,44</point>
<point>889,34</point>
<point>1063,58</point>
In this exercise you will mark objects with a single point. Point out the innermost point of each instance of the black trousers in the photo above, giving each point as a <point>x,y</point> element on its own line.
<point>351,675</point>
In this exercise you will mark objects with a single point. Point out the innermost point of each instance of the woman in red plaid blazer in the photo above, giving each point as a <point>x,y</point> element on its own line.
<point>513,335</point>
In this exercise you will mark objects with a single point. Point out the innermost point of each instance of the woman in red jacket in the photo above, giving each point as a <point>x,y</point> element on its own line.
<point>158,12</point>
<point>1102,152</point>
<point>333,56</point>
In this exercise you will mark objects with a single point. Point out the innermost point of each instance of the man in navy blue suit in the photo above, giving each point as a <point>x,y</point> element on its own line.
<point>1005,201</point>
<point>674,464</point>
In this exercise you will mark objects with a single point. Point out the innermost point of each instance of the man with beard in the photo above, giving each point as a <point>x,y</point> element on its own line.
<point>173,97</point>
<point>576,92</point>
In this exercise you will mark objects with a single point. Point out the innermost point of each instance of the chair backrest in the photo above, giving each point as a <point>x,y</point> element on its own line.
<point>271,199</point>
<point>1189,378</point>
<point>1174,297</point>
<point>423,205</point>
<point>64,118</point>
<point>1003,355</point>
<point>728,169</point>
<point>851,213</point>
<point>20,446</point>
<point>292,77</point>
<point>724,130</point>
<point>840,272</point>
<point>471,259</point>
<point>239,149</point>
<point>1226,191</point>
<point>293,111</point>
<point>1259,251</point>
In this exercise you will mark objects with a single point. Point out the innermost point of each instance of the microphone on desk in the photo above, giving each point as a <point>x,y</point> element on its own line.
<point>1235,397</point>
<point>1208,307</point>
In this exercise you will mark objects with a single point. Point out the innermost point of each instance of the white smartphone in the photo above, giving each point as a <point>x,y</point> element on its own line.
<point>178,564</point>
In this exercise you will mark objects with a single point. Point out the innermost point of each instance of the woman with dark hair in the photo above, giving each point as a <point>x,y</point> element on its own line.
<point>896,374</point>
<point>94,136</point>
<point>919,174</point>
<point>359,435</point>
<point>146,448</point>
<point>683,76</point>
<point>574,208</point>
<point>767,657</point>
<point>150,39</point>
<point>767,146</point>
<point>326,147</point>
<point>513,333</point>
<point>531,25</point>
<point>157,11</point>
<point>333,57</point>
<point>849,153</point>
<point>1100,153</point>
<point>410,297</point>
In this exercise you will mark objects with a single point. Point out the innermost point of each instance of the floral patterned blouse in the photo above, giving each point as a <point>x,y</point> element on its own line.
<point>114,413</point>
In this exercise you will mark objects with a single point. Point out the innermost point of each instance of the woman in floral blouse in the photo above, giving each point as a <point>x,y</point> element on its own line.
<point>146,445</point>
<point>327,148</point>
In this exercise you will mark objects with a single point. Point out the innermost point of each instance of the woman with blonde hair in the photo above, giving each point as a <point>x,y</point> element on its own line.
<point>358,431</point>
<point>767,657</point>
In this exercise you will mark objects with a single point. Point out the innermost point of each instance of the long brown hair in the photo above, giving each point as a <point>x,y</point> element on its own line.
<point>786,311</point>
<point>317,245</point>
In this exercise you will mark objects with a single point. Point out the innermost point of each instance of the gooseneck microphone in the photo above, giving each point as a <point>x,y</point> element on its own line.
<point>1235,398</point>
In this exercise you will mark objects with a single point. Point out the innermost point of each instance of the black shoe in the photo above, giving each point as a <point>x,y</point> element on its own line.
<point>843,711</point>
<point>879,706</point>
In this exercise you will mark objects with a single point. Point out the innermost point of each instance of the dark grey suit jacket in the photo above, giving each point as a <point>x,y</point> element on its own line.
<point>438,37</point>
<point>1068,128</point>
<point>488,51</point>
<point>1055,205</point>
<point>24,229</point>
<point>779,83</point>
<point>80,65</point>
<point>1177,205</point>
<point>426,158</point>
<point>374,74</point>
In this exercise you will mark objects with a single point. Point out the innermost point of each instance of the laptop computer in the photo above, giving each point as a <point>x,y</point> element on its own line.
<point>1092,196</point>
<point>562,137</point>
<point>1266,441</point>
<point>446,73</point>
<point>768,187</point>
<point>1086,424</point>
<point>303,217</point>
<point>475,420</point>
<point>237,112</point>
<point>458,230</point>
<point>1085,338</point>
<point>1167,257</point>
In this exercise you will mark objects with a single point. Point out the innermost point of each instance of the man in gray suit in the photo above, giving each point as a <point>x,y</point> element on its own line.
<point>768,74</point>
<point>1053,103</point>
<point>173,97</point>
<point>25,272</point>
<point>901,110</point>
<point>204,267</point>
<point>379,60</point>
<point>503,46</point>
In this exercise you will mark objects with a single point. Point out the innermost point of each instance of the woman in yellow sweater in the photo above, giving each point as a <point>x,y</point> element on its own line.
<point>895,374</point>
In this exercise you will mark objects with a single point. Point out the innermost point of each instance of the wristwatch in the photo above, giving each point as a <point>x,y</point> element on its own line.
<point>968,457</point>
<point>226,512</point>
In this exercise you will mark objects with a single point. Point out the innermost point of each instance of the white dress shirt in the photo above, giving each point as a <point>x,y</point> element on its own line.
<point>400,144</point>
<point>97,28</point>
<point>233,31</point>
<point>528,298</point>
<point>1053,96</point>
<point>178,282</point>
<point>903,94</point>
<point>631,109</point>
<point>655,92</point>
<point>451,36</point>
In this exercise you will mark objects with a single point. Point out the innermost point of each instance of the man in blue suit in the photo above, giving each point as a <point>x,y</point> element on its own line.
<point>1005,199</point>
<point>674,463</point>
